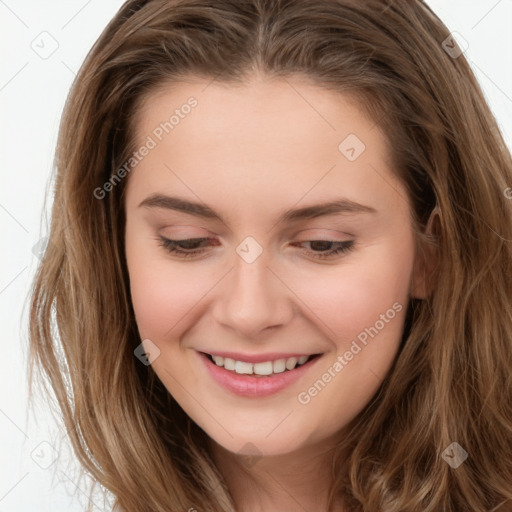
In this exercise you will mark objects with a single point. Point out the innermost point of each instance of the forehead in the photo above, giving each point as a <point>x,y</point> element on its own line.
<point>261,106</point>
<point>259,140</point>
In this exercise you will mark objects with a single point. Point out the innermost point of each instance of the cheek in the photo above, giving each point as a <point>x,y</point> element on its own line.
<point>162,292</point>
<point>363,304</point>
<point>352,296</point>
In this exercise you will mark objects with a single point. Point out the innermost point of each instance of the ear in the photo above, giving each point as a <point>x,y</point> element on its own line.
<point>426,259</point>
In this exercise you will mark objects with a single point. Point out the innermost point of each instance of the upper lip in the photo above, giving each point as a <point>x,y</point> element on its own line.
<point>257,358</point>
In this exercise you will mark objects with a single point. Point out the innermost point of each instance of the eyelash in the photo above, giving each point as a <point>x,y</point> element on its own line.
<point>171,246</point>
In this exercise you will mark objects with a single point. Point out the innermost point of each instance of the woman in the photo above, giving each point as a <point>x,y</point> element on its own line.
<point>335,336</point>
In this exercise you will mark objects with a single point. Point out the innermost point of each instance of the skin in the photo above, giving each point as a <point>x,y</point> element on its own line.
<point>250,152</point>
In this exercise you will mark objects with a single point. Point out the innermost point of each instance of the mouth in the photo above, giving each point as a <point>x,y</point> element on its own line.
<point>261,378</point>
<point>263,369</point>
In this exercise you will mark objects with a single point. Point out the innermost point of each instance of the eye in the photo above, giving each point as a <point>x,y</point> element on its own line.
<point>339,247</point>
<point>183,248</point>
<point>194,246</point>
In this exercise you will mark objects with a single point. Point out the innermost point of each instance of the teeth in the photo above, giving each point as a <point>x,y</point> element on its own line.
<point>291,363</point>
<point>219,361</point>
<point>266,368</point>
<point>279,366</point>
<point>229,364</point>
<point>241,367</point>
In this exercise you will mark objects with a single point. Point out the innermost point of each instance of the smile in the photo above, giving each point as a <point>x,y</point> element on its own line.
<point>257,379</point>
<point>263,368</point>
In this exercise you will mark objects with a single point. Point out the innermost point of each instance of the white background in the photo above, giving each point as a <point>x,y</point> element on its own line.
<point>32,95</point>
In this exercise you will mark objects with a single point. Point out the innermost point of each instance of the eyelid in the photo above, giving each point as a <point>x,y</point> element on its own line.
<point>343,247</point>
<point>187,232</point>
<point>306,235</point>
<point>326,232</point>
<point>207,232</point>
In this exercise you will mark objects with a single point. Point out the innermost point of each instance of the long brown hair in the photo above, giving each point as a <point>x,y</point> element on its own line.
<point>452,380</point>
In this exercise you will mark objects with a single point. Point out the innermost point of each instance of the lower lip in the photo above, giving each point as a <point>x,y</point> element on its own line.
<point>251,386</point>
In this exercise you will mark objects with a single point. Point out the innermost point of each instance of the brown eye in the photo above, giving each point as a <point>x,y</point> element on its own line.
<point>184,248</point>
<point>323,246</point>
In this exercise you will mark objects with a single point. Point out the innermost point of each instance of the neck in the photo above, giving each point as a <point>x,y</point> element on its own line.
<point>293,481</point>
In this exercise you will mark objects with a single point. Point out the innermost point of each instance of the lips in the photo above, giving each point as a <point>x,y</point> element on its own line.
<point>249,385</point>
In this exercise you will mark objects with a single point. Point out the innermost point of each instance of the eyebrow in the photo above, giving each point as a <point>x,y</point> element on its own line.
<point>341,205</point>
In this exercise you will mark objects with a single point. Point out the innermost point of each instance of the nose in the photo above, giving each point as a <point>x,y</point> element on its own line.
<point>253,299</point>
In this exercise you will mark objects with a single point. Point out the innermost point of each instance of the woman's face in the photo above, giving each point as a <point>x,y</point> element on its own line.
<point>225,163</point>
